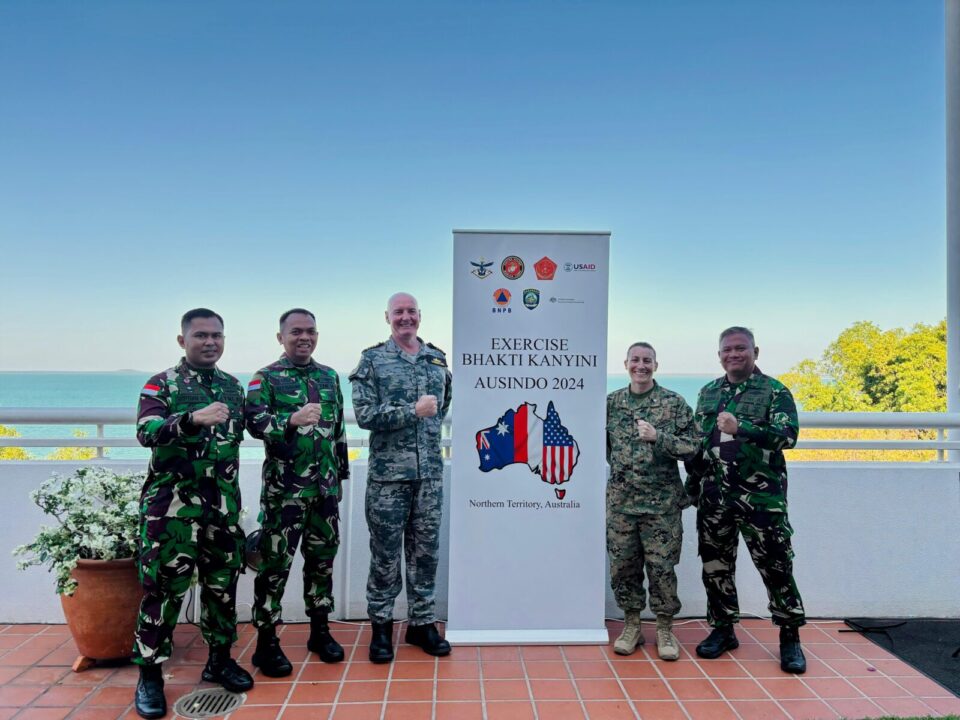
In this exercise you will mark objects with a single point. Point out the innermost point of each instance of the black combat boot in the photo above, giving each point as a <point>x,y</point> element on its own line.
<point>718,642</point>
<point>791,656</point>
<point>148,697</point>
<point>427,639</point>
<point>223,670</point>
<point>381,643</point>
<point>321,642</point>
<point>268,656</point>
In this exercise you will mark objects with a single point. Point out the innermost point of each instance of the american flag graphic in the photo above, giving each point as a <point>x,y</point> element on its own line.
<point>558,450</point>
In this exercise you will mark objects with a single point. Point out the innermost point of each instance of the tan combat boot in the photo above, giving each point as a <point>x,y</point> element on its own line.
<point>631,636</point>
<point>667,646</point>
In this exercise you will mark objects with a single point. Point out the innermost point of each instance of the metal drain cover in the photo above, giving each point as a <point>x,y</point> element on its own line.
<point>208,703</point>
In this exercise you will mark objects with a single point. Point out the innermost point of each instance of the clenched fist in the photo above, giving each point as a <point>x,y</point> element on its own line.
<point>213,414</point>
<point>426,406</point>
<point>648,433</point>
<point>727,423</point>
<point>309,414</point>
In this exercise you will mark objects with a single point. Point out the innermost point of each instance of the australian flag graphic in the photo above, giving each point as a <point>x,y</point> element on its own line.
<point>522,436</point>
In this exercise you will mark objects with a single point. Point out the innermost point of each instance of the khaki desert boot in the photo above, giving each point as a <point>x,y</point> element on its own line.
<point>631,636</point>
<point>667,646</point>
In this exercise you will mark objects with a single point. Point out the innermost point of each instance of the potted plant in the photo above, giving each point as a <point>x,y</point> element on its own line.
<point>91,552</point>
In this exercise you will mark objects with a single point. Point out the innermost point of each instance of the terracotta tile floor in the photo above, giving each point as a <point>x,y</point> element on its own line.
<point>848,676</point>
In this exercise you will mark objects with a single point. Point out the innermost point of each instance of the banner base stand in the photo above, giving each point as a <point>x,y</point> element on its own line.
<point>598,636</point>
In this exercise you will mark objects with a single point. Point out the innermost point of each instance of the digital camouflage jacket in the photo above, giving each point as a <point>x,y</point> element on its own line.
<point>644,477</point>
<point>386,386</point>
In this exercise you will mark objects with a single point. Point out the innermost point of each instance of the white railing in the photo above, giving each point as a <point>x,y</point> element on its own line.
<point>101,417</point>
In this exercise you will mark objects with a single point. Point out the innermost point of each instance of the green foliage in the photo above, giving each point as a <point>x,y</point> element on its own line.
<point>12,453</point>
<point>97,518</point>
<point>869,369</point>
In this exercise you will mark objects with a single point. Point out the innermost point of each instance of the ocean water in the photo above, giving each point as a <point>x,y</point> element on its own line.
<point>121,389</point>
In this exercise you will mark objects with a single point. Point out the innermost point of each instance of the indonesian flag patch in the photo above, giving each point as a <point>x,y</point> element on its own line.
<point>254,385</point>
<point>149,389</point>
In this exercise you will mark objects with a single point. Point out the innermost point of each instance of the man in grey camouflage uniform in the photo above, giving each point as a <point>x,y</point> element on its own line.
<point>649,428</point>
<point>401,393</point>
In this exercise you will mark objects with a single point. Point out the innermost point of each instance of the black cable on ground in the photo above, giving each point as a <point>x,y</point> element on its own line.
<point>876,628</point>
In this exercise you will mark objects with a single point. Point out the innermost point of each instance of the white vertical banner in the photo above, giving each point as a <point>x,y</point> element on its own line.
<point>528,472</point>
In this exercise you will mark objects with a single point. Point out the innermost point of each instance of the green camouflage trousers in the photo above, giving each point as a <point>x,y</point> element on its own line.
<point>650,540</point>
<point>767,535</point>
<point>409,512</point>
<point>183,527</point>
<point>286,523</point>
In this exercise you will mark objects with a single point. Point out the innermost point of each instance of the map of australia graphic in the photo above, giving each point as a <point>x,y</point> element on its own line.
<point>521,436</point>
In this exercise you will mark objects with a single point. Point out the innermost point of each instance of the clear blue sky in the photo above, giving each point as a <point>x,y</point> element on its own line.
<point>778,165</point>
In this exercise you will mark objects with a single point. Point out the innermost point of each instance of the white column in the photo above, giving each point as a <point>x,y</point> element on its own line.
<point>952,60</point>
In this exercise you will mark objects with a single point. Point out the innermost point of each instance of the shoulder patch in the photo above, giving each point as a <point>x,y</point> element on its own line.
<point>438,361</point>
<point>434,347</point>
<point>360,372</point>
<point>155,384</point>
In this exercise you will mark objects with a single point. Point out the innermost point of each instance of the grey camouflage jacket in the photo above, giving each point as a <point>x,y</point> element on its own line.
<point>386,385</point>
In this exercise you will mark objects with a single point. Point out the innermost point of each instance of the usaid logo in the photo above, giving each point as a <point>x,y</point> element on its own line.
<point>579,267</point>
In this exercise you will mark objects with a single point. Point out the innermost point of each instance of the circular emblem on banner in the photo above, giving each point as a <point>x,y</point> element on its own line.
<point>511,267</point>
<point>501,296</point>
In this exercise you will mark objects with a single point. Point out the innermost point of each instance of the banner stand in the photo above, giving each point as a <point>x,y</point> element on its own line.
<point>528,461</point>
<point>528,637</point>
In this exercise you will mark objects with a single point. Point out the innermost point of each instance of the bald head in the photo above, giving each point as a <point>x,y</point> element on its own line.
<point>401,297</point>
<point>403,317</point>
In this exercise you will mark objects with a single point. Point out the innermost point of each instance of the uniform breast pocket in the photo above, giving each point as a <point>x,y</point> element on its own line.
<point>328,405</point>
<point>397,386</point>
<point>191,400</point>
<point>234,401</point>
<point>752,410</point>
<point>437,382</point>
<point>288,396</point>
<point>708,402</point>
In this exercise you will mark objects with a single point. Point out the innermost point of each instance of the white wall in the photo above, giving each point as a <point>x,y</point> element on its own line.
<point>871,540</point>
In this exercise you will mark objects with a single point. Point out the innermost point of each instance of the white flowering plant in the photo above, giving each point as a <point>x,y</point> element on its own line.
<point>97,518</point>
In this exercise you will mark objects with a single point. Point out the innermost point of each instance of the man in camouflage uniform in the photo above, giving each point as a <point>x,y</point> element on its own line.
<point>296,407</point>
<point>191,416</point>
<point>739,480</point>
<point>401,393</point>
<point>649,428</point>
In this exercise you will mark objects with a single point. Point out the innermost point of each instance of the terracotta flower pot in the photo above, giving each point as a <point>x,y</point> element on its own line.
<point>102,613</point>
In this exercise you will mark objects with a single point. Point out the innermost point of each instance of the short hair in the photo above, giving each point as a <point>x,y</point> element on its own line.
<point>296,311</point>
<point>737,330</point>
<point>190,315</point>
<point>643,345</point>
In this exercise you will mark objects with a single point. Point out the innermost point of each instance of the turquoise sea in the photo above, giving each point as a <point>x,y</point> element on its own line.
<point>121,389</point>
